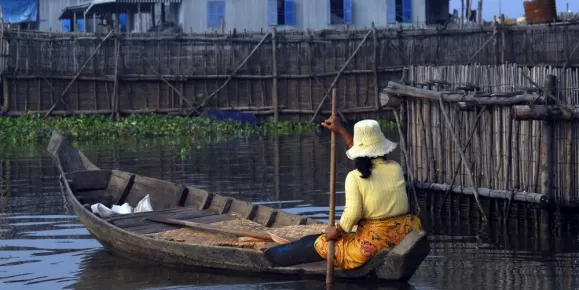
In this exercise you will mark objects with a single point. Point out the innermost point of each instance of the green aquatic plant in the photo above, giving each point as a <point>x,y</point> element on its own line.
<point>29,134</point>
<point>387,125</point>
<point>31,128</point>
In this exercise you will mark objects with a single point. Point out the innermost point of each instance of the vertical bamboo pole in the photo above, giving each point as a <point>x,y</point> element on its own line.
<point>39,94</point>
<point>160,74</point>
<point>130,21</point>
<point>140,18</point>
<point>116,82</point>
<point>276,166</point>
<point>94,26</point>
<point>74,27</point>
<point>26,96</point>
<point>503,39</point>
<point>78,107</point>
<point>310,70</point>
<point>274,90</point>
<point>547,144</point>
<point>461,12</point>
<point>331,218</point>
<point>375,68</point>
<point>479,11</point>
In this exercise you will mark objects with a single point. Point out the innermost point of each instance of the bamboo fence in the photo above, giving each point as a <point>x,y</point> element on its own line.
<point>71,73</point>
<point>514,153</point>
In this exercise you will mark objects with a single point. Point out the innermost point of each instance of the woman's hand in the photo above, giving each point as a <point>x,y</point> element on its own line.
<point>333,233</point>
<point>333,124</point>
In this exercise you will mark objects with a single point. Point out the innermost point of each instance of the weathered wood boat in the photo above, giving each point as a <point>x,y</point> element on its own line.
<point>135,236</point>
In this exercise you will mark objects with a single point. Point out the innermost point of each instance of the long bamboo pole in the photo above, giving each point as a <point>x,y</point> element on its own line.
<point>464,161</point>
<point>96,50</point>
<point>231,75</point>
<point>331,218</point>
<point>340,73</point>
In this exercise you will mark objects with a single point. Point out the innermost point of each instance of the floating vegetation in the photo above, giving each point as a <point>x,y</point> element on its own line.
<point>34,127</point>
<point>387,125</point>
<point>29,134</point>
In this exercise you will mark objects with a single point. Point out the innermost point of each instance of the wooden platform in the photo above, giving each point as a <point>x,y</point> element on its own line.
<point>138,223</point>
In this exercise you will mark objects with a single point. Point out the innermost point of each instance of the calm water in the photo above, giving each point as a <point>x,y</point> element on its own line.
<point>43,246</point>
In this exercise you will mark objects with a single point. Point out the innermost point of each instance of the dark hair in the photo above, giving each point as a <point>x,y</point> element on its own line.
<point>364,165</point>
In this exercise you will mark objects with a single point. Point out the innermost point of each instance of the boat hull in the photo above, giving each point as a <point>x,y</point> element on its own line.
<point>398,264</point>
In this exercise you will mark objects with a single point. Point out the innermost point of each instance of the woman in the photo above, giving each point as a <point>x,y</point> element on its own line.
<point>376,201</point>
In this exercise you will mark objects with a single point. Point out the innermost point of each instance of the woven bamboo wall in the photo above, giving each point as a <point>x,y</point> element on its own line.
<point>503,153</point>
<point>39,66</point>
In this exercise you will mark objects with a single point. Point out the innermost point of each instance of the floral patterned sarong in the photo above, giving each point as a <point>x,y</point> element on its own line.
<point>353,250</point>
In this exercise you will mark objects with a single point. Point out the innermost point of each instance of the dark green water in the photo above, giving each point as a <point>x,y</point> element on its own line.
<point>43,246</point>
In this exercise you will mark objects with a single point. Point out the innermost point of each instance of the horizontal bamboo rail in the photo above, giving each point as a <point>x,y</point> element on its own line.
<point>541,112</point>
<point>259,111</point>
<point>529,197</point>
<point>453,97</point>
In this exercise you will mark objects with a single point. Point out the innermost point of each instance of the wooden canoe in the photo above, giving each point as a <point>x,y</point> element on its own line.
<point>132,235</point>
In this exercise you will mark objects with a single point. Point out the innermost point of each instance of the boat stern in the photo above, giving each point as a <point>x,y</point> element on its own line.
<point>404,259</point>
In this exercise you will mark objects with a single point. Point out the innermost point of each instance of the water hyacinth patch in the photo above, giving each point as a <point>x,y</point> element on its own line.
<point>29,128</point>
<point>387,125</point>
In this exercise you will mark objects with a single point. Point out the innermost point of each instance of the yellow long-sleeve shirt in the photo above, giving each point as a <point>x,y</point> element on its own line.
<point>381,195</point>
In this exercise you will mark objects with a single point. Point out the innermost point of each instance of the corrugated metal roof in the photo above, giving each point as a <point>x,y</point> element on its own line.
<point>68,11</point>
<point>96,2</point>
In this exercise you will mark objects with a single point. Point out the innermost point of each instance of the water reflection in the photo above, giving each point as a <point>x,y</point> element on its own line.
<point>102,270</point>
<point>43,245</point>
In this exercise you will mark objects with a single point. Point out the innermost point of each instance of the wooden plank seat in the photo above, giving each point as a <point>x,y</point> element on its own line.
<point>138,223</point>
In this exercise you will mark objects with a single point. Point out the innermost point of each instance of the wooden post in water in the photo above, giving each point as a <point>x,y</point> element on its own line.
<point>550,84</point>
<point>274,90</point>
<point>331,218</point>
<point>546,146</point>
<point>116,90</point>
<point>6,95</point>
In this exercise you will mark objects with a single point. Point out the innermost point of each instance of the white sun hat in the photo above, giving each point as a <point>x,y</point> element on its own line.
<point>369,141</point>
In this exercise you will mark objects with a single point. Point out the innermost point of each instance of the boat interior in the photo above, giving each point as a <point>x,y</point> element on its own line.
<point>91,185</point>
<point>169,201</point>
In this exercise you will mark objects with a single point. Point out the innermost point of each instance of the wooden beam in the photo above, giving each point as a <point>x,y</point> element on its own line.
<point>185,77</point>
<point>390,100</point>
<point>260,111</point>
<point>523,196</point>
<point>480,99</point>
<point>541,112</point>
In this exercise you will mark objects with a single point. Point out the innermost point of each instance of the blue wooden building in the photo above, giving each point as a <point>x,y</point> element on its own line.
<point>251,15</point>
<point>256,15</point>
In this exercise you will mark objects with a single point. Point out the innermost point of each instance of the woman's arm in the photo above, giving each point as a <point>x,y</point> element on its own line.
<point>347,138</point>
<point>352,211</point>
<point>353,207</point>
<point>333,124</point>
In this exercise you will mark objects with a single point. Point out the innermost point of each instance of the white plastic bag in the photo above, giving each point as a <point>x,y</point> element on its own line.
<point>144,205</point>
<point>101,210</point>
<point>106,212</point>
<point>123,209</point>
